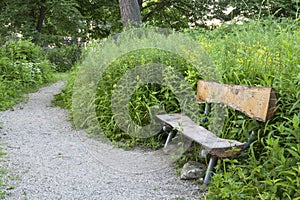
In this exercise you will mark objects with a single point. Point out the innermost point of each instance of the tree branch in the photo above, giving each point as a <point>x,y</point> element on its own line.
<point>158,7</point>
<point>41,16</point>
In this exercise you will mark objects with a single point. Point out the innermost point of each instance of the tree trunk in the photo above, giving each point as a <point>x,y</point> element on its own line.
<point>140,2</point>
<point>130,12</point>
<point>41,16</point>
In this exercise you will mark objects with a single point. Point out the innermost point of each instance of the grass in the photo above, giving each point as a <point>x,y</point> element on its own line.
<point>262,53</point>
<point>23,69</point>
<point>258,53</point>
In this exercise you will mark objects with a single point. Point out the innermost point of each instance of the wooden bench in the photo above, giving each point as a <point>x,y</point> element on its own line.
<point>256,102</point>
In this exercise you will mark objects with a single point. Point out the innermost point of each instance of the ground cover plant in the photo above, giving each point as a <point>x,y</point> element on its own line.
<point>142,99</point>
<point>262,53</point>
<point>23,67</point>
<point>257,53</point>
<point>64,57</point>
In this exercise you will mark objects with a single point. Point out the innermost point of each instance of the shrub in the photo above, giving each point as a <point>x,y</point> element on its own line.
<point>264,53</point>
<point>260,53</point>
<point>22,67</point>
<point>64,57</point>
<point>142,99</point>
<point>22,50</point>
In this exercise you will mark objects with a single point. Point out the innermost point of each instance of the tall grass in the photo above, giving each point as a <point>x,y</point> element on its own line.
<point>260,53</point>
<point>22,68</point>
<point>264,53</point>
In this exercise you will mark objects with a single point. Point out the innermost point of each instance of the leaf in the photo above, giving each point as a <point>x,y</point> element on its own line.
<point>296,121</point>
<point>294,153</point>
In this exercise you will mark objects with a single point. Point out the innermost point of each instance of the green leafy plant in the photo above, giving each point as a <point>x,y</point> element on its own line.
<point>260,53</point>
<point>22,68</point>
<point>257,53</point>
<point>142,99</point>
<point>64,57</point>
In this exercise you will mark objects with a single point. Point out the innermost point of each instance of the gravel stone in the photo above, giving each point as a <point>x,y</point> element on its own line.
<point>192,170</point>
<point>47,159</point>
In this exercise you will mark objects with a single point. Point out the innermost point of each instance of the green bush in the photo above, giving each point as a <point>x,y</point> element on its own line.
<point>9,91</point>
<point>64,57</point>
<point>264,53</point>
<point>141,100</point>
<point>23,66</point>
<point>21,50</point>
<point>260,53</point>
<point>22,60</point>
<point>64,99</point>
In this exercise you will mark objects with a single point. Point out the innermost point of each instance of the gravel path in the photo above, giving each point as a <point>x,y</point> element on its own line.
<point>50,160</point>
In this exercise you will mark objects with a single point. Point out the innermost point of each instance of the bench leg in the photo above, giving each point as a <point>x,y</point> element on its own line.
<point>210,168</point>
<point>170,136</point>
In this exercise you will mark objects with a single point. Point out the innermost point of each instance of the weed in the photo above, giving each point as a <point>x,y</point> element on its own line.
<point>260,53</point>
<point>22,68</point>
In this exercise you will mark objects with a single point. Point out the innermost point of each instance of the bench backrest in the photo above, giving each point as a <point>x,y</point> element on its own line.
<point>256,102</point>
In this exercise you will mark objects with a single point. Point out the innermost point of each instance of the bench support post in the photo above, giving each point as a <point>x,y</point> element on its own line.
<point>210,168</point>
<point>170,136</point>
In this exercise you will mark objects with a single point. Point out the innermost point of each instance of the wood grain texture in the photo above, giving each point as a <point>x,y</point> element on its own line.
<point>215,145</point>
<point>256,102</point>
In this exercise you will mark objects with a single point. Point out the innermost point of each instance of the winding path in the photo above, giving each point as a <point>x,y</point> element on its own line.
<point>49,160</point>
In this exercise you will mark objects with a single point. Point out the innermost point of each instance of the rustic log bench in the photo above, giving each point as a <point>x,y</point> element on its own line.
<point>258,103</point>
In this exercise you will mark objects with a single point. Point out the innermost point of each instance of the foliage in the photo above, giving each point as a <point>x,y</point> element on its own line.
<point>64,99</point>
<point>277,8</point>
<point>173,14</point>
<point>260,53</point>
<point>60,18</point>
<point>64,57</point>
<point>186,13</point>
<point>47,22</point>
<point>102,16</point>
<point>22,67</point>
<point>24,61</point>
<point>143,98</point>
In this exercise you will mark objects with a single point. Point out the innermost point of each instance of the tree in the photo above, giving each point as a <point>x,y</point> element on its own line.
<point>47,21</point>
<point>184,13</point>
<point>42,16</point>
<point>102,17</point>
<point>130,12</point>
<point>40,20</point>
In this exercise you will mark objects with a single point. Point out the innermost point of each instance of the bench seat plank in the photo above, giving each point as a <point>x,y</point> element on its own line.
<point>215,145</point>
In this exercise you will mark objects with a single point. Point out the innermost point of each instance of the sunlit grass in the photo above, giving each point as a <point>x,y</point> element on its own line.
<point>258,53</point>
<point>264,53</point>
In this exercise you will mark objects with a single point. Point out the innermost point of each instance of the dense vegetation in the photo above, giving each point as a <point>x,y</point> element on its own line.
<point>22,67</point>
<point>260,53</point>
<point>257,53</point>
<point>47,22</point>
<point>40,38</point>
